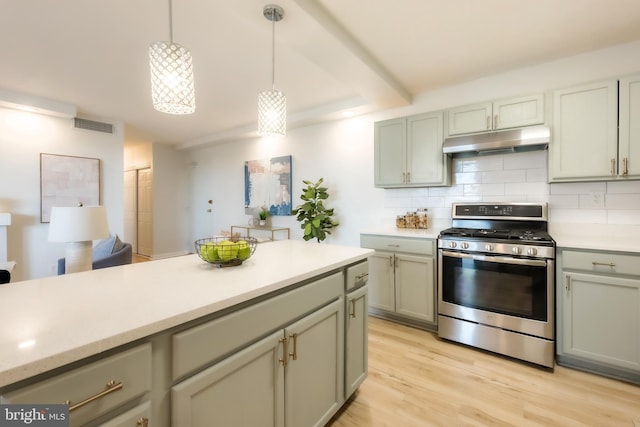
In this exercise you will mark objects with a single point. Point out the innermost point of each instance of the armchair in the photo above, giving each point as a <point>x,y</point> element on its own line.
<point>107,253</point>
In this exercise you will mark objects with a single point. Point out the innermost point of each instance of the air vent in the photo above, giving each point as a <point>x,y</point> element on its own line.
<point>79,123</point>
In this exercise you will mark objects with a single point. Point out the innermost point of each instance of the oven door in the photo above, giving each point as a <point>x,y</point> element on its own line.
<point>500,291</point>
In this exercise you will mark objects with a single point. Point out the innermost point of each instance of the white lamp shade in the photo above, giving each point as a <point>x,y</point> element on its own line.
<point>78,224</point>
<point>172,87</point>
<point>272,113</point>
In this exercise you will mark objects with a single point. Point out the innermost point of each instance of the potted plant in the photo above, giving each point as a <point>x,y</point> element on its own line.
<point>263,214</point>
<point>315,219</point>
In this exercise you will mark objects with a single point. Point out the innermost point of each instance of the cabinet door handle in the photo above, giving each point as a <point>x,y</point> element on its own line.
<point>285,352</point>
<point>625,166</point>
<point>606,264</point>
<point>294,355</point>
<point>567,283</point>
<point>352,309</point>
<point>495,121</point>
<point>613,166</point>
<point>408,177</point>
<point>112,386</point>
<point>404,177</point>
<point>143,422</point>
<point>488,122</point>
<point>390,261</point>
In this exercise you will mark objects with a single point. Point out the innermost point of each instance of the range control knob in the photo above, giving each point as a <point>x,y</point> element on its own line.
<point>532,251</point>
<point>517,250</point>
<point>464,245</point>
<point>489,247</point>
<point>452,244</point>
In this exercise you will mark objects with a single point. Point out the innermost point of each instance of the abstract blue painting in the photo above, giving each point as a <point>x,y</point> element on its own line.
<point>267,184</point>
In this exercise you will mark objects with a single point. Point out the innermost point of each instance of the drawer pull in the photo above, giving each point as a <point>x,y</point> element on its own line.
<point>362,276</point>
<point>393,246</point>
<point>608,264</point>
<point>111,387</point>
<point>143,422</point>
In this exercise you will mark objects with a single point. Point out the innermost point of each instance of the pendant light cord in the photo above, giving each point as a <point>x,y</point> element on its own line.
<point>273,49</point>
<point>170,23</point>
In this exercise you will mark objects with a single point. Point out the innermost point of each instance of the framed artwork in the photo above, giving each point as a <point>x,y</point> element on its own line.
<point>267,183</point>
<point>67,181</point>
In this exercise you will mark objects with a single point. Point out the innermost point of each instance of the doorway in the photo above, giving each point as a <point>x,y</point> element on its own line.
<point>138,215</point>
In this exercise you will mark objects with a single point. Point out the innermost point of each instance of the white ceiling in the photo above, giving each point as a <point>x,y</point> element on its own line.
<point>331,55</point>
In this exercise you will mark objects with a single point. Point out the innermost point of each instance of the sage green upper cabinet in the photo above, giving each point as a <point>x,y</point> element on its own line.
<point>585,134</point>
<point>496,115</point>
<point>629,137</point>
<point>596,131</point>
<point>408,152</point>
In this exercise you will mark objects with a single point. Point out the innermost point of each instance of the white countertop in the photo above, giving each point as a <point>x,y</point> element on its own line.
<point>606,237</point>
<point>50,322</point>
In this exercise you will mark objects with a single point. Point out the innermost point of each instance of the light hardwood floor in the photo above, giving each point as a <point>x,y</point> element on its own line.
<point>416,379</point>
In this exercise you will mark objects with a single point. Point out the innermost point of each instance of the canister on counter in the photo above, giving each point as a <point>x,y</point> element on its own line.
<point>400,221</point>
<point>422,219</point>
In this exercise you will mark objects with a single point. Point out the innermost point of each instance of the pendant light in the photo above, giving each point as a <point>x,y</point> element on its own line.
<point>172,88</point>
<point>272,104</point>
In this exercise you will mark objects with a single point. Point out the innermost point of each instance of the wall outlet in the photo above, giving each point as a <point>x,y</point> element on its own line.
<point>593,200</point>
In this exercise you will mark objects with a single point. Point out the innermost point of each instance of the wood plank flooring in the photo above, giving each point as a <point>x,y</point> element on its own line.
<point>416,379</point>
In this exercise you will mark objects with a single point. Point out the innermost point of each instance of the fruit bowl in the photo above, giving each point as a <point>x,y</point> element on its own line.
<point>225,251</point>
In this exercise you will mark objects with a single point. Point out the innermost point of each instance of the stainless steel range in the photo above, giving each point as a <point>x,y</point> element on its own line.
<point>496,280</point>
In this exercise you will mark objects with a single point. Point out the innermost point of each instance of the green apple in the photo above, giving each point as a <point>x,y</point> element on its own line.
<point>208,251</point>
<point>244,250</point>
<point>227,250</point>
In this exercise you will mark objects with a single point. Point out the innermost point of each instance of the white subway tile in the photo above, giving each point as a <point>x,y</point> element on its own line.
<point>577,187</point>
<point>526,188</point>
<point>536,175</point>
<point>564,201</point>
<point>503,176</point>
<point>481,164</point>
<point>623,201</point>
<point>454,190</point>
<point>578,216</point>
<point>484,189</point>
<point>623,187</point>
<point>629,217</point>
<point>467,178</point>
<point>528,160</point>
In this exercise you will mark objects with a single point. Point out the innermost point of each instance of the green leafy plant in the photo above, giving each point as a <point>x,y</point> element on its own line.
<point>263,214</point>
<point>314,218</point>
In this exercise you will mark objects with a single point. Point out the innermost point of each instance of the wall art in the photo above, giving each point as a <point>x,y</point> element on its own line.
<point>267,183</point>
<point>67,181</point>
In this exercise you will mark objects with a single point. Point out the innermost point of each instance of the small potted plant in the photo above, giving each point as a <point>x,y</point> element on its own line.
<point>263,214</point>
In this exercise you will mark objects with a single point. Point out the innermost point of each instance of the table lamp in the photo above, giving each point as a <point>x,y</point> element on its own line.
<point>78,227</point>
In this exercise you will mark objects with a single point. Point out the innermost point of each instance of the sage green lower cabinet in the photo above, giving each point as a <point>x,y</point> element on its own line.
<point>356,355</point>
<point>140,416</point>
<point>293,377</point>
<point>246,389</point>
<point>402,278</point>
<point>599,312</point>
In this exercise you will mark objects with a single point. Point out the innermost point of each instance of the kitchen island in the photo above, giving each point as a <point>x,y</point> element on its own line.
<point>175,317</point>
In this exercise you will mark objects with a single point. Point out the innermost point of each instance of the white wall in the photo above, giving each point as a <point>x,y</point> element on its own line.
<point>342,153</point>
<point>23,136</point>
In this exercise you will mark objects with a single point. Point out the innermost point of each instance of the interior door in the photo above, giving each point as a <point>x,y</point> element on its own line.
<point>145,212</point>
<point>131,208</point>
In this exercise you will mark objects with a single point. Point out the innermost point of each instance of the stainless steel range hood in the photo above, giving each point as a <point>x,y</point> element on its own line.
<point>511,140</point>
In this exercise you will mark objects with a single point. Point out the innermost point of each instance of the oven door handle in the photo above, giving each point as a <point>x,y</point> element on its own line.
<point>502,260</point>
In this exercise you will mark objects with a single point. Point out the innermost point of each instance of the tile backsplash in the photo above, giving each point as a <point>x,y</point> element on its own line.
<point>521,177</point>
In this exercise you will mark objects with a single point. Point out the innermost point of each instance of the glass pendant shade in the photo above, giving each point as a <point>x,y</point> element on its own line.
<point>172,88</point>
<point>272,113</point>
